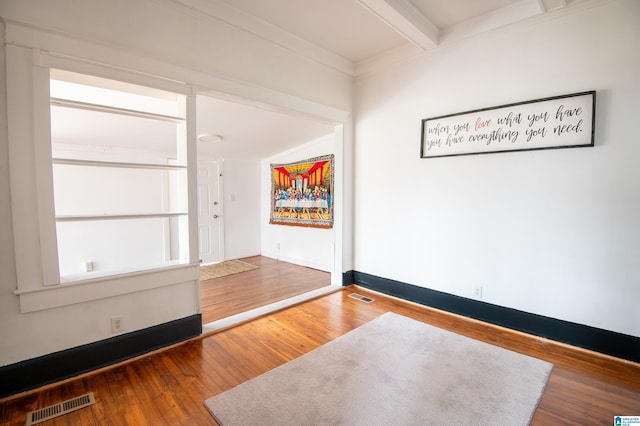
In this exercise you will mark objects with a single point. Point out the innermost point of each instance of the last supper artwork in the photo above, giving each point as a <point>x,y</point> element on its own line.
<point>302,193</point>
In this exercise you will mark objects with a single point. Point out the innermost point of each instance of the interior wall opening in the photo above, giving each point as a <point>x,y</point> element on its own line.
<point>242,138</point>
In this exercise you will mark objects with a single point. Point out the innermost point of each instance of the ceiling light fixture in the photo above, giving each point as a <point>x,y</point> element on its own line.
<point>210,138</point>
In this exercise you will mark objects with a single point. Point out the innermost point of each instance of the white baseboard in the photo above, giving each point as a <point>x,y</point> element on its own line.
<point>297,261</point>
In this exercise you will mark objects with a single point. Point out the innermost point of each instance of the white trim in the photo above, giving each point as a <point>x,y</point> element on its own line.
<point>342,206</point>
<point>391,57</point>
<point>31,182</point>
<point>99,288</point>
<point>519,15</point>
<point>95,163</point>
<point>99,56</point>
<point>267,309</point>
<point>139,68</point>
<point>80,218</point>
<point>222,205</point>
<point>44,175</point>
<point>104,70</point>
<point>22,171</point>
<point>405,18</point>
<point>192,178</point>
<point>216,12</point>
<point>65,103</point>
<point>501,18</point>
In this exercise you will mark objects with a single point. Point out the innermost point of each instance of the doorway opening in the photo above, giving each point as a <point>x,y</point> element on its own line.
<point>249,138</point>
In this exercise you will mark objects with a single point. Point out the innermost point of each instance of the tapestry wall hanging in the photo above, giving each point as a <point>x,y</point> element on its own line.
<point>302,193</point>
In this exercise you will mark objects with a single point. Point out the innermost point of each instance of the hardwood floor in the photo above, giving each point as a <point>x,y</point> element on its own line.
<point>271,282</point>
<point>170,386</point>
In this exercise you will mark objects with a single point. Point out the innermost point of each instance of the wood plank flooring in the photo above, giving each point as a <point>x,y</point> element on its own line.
<point>170,386</point>
<point>272,282</point>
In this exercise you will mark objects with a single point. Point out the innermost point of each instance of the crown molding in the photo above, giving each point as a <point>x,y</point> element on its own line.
<point>503,17</point>
<point>523,13</point>
<point>65,47</point>
<point>223,12</point>
<point>391,57</point>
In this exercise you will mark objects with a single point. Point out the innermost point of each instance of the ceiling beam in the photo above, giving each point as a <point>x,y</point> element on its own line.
<point>402,16</point>
<point>549,5</point>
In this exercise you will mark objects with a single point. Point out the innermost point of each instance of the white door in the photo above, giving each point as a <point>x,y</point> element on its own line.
<point>209,212</point>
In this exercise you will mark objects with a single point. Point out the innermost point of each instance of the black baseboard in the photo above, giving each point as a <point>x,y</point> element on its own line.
<point>36,372</point>
<point>603,341</point>
<point>347,278</point>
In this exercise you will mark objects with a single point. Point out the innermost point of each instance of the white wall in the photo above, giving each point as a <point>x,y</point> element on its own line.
<point>312,247</point>
<point>241,208</point>
<point>96,191</point>
<point>157,38</point>
<point>176,39</point>
<point>38,320</point>
<point>551,232</point>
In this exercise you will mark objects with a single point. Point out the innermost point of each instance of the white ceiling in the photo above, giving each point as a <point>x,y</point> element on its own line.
<point>354,35</point>
<point>251,132</point>
<point>351,36</point>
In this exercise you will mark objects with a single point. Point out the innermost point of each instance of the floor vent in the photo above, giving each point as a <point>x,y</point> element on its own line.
<point>361,297</point>
<point>60,409</point>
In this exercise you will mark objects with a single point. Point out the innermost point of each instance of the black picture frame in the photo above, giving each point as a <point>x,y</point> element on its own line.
<point>566,121</point>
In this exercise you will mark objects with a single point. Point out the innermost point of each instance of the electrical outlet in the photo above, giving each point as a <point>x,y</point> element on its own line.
<point>478,292</point>
<point>88,266</point>
<point>116,325</point>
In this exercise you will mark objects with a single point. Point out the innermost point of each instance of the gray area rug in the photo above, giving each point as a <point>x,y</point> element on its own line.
<point>391,371</point>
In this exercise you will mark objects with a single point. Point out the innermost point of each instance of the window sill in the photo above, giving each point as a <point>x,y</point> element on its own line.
<point>55,296</point>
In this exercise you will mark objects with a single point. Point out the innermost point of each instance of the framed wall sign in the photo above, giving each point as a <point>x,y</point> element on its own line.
<point>558,122</point>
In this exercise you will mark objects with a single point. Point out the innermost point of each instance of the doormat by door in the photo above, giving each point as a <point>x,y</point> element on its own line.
<point>225,268</point>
